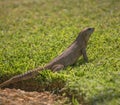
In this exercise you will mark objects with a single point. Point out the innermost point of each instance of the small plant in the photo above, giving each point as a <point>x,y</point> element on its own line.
<point>74,101</point>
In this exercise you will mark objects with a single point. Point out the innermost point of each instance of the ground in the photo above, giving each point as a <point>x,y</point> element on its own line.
<point>21,97</point>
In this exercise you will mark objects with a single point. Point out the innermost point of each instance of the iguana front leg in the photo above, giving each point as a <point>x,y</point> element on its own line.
<point>84,54</point>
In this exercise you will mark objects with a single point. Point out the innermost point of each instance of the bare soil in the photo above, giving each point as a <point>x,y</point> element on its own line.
<point>21,97</point>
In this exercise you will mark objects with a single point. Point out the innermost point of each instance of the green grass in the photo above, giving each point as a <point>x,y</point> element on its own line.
<point>33,32</point>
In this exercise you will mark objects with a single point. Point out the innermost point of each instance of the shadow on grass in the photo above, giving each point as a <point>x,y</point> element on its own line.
<point>110,95</point>
<point>82,62</point>
<point>105,97</point>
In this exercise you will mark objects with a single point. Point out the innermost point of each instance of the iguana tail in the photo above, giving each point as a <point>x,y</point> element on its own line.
<point>27,75</point>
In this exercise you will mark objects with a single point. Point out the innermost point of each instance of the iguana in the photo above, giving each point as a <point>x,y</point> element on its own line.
<point>68,57</point>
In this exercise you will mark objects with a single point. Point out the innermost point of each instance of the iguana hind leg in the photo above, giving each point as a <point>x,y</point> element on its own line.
<point>57,67</point>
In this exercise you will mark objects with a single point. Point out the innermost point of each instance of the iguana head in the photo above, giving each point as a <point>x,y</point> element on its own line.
<point>86,33</point>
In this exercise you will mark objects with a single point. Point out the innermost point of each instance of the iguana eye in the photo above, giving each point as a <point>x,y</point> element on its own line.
<point>89,29</point>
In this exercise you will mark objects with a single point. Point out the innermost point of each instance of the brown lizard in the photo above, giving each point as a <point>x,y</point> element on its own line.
<point>68,57</point>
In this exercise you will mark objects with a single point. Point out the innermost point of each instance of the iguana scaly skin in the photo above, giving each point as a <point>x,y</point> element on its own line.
<point>68,57</point>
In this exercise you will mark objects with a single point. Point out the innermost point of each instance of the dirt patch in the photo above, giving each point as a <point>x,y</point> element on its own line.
<point>21,97</point>
<point>31,92</point>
